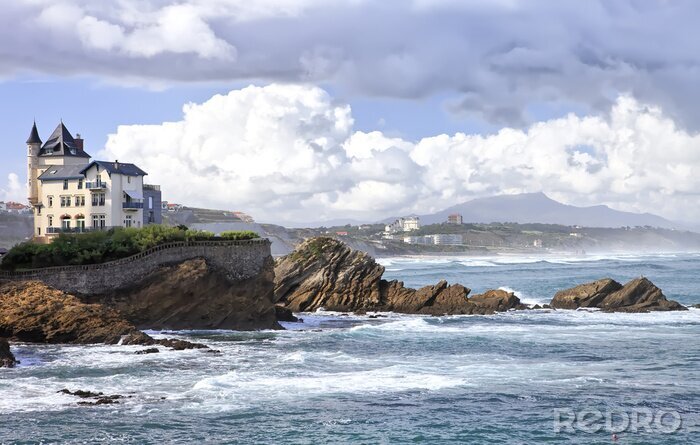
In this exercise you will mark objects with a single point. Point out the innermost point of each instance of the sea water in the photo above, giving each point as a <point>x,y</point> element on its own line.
<point>505,378</point>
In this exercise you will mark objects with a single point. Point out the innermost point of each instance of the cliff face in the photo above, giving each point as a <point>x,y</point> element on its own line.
<point>194,295</point>
<point>326,273</point>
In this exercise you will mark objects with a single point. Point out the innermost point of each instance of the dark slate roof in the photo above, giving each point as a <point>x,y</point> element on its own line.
<point>61,172</point>
<point>34,136</point>
<point>120,168</point>
<point>61,143</point>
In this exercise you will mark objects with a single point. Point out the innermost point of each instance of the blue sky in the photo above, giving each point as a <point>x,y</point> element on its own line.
<point>365,109</point>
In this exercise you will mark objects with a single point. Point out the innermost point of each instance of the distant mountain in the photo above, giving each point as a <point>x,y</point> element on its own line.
<point>539,208</point>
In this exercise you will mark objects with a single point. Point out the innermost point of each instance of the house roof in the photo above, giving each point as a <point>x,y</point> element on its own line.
<point>120,168</point>
<point>62,143</point>
<point>34,136</point>
<point>62,172</point>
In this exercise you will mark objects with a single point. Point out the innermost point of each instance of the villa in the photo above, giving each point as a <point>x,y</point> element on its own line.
<point>69,192</point>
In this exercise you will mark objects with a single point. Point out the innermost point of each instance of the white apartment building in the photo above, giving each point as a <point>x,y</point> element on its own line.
<point>71,193</point>
<point>405,224</point>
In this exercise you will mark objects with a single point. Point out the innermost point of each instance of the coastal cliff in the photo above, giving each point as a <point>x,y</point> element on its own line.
<point>182,285</point>
<point>194,295</point>
<point>326,273</point>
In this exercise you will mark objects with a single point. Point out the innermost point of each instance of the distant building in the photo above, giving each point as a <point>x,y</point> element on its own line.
<point>441,239</point>
<point>537,243</point>
<point>575,234</point>
<point>447,239</point>
<point>3,206</point>
<point>422,240</point>
<point>454,218</point>
<point>15,207</point>
<point>341,233</point>
<point>405,224</point>
<point>70,193</point>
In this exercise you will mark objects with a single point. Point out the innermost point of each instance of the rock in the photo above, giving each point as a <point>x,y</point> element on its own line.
<point>639,295</point>
<point>326,273</point>
<point>696,306</point>
<point>148,351</point>
<point>179,345</point>
<point>285,314</point>
<point>33,312</point>
<point>496,301</point>
<point>203,298</point>
<point>585,295</point>
<point>100,398</point>
<point>536,306</point>
<point>7,359</point>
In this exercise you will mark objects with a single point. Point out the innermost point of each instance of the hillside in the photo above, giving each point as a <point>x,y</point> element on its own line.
<point>539,208</point>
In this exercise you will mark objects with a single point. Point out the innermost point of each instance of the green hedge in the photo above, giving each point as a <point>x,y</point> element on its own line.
<point>100,247</point>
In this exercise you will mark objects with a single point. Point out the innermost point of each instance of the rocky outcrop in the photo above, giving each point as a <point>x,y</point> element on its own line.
<point>326,273</point>
<point>33,312</point>
<point>589,295</point>
<point>7,359</point>
<point>639,295</point>
<point>195,295</point>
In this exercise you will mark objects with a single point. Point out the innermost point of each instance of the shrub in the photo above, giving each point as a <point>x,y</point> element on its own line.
<point>98,247</point>
<point>239,235</point>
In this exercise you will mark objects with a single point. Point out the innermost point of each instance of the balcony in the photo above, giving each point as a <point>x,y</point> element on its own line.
<point>132,205</point>
<point>57,230</point>
<point>99,185</point>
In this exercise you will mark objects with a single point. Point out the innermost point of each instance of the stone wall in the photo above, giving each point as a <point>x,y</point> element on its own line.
<point>236,260</point>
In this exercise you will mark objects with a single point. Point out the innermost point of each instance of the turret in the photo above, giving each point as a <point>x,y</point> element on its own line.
<point>33,147</point>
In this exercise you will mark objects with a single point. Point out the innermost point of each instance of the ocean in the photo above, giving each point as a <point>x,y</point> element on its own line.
<point>523,377</point>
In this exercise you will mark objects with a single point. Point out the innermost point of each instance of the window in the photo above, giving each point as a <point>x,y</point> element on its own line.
<point>65,201</point>
<point>50,198</point>
<point>80,184</point>
<point>98,221</point>
<point>150,202</point>
<point>65,184</point>
<point>98,199</point>
<point>80,201</point>
<point>80,224</point>
<point>127,221</point>
<point>38,231</point>
<point>65,224</point>
<point>98,179</point>
<point>128,179</point>
<point>50,220</point>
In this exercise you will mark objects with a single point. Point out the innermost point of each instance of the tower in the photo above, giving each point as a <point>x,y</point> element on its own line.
<point>33,147</point>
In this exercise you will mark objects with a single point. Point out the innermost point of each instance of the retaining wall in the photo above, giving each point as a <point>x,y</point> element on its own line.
<point>238,260</point>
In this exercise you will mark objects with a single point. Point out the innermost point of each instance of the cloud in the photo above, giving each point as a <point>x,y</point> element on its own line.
<point>503,61</point>
<point>13,190</point>
<point>289,153</point>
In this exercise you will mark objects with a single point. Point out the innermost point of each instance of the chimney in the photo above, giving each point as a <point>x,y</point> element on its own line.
<point>116,165</point>
<point>79,142</point>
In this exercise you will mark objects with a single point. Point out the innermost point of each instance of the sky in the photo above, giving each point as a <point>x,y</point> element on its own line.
<point>310,110</point>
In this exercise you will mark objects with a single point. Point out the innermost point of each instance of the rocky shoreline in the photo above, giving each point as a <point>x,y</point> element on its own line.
<point>322,273</point>
<point>326,273</point>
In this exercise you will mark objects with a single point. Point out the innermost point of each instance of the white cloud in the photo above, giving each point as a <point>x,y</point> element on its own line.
<point>13,190</point>
<point>500,59</point>
<point>289,153</point>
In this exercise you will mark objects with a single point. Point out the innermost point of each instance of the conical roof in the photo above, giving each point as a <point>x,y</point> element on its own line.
<point>61,143</point>
<point>34,136</point>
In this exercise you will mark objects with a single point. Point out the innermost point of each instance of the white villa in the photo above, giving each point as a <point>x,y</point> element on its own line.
<point>70,193</point>
<point>405,224</point>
